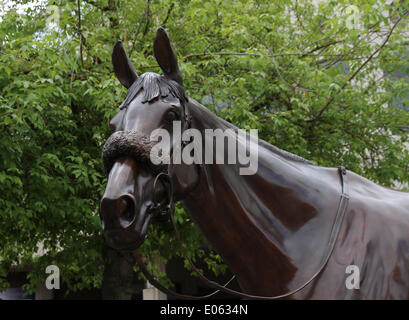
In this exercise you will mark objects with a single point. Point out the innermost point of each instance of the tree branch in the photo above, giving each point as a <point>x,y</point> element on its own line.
<point>148,16</point>
<point>172,5</point>
<point>80,31</point>
<point>298,16</point>
<point>144,16</point>
<point>323,46</point>
<point>221,54</point>
<point>332,98</point>
<point>300,54</point>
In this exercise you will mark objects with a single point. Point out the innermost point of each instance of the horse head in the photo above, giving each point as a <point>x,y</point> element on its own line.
<point>133,193</point>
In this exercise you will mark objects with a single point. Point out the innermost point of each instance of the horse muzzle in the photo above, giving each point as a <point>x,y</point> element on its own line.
<point>125,225</point>
<point>125,209</point>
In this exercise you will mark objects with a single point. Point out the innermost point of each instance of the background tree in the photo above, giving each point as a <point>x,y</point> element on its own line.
<point>312,80</point>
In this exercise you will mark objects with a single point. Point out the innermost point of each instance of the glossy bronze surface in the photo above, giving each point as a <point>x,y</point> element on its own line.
<point>271,228</point>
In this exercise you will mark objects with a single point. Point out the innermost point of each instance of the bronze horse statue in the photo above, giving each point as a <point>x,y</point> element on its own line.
<point>272,228</point>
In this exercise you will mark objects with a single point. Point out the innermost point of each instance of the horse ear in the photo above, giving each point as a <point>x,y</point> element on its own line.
<point>123,67</point>
<point>165,56</point>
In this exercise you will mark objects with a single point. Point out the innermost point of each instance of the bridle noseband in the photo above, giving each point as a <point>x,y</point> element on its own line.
<point>156,207</point>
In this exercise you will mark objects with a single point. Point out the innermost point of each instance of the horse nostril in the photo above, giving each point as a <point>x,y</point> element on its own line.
<point>126,211</point>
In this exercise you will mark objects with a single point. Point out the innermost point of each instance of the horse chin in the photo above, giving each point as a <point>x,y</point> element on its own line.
<point>124,213</point>
<point>127,239</point>
<point>116,240</point>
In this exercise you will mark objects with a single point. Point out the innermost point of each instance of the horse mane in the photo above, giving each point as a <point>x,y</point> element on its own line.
<point>269,147</point>
<point>283,153</point>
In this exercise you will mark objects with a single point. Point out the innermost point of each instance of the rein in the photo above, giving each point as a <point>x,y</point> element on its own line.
<point>170,209</point>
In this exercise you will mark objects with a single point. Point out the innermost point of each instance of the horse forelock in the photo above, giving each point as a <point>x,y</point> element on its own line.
<point>152,86</point>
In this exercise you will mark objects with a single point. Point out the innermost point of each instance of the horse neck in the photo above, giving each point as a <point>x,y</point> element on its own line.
<point>256,217</point>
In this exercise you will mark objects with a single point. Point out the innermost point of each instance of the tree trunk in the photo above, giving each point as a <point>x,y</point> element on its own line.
<point>120,282</point>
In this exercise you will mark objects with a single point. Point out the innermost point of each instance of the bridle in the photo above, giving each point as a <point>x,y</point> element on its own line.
<point>169,209</point>
<point>156,208</point>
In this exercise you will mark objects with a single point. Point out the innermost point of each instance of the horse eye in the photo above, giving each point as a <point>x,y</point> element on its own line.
<point>171,116</point>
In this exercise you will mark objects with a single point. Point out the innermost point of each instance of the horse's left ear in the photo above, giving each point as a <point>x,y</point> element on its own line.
<point>165,56</point>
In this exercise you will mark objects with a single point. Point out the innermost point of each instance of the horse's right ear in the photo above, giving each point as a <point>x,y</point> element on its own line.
<point>123,67</point>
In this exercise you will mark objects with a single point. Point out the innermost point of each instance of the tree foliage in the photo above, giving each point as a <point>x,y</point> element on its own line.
<point>308,79</point>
